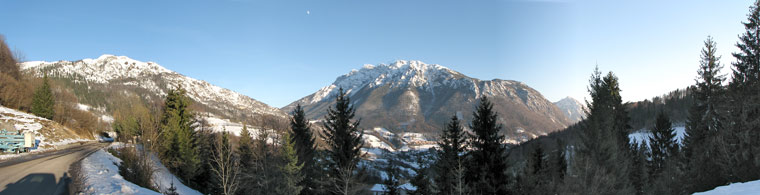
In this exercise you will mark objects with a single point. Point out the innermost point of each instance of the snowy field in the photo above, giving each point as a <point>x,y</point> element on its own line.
<point>101,176</point>
<point>746,188</point>
<point>643,135</point>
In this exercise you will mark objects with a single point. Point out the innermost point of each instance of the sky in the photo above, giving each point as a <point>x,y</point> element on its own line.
<point>280,51</point>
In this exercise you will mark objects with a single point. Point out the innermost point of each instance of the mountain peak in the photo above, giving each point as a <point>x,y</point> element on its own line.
<point>572,108</point>
<point>111,70</point>
<point>400,73</point>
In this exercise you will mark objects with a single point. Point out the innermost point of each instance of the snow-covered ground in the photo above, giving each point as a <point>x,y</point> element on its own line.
<point>746,188</point>
<point>642,136</point>
<point>47,132</point>
<point>373,145</point>
<point>101,176</point>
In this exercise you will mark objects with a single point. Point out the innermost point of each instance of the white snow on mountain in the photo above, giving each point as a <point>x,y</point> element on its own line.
<point>374,146</point>
<point>572,108</point>
<point>121,70</point>
<point>398,74</point>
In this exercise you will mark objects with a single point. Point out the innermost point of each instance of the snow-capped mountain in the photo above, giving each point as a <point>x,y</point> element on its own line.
<point>417,97</point>
<point>109,74</point>
<point>572,108</point>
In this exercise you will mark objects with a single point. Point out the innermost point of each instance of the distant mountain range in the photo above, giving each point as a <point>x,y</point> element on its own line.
<point>404,96</point>
<point>412,96</point>
<point>97,82</point>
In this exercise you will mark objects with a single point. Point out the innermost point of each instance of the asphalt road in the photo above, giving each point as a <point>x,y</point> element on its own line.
<point>42,173</point>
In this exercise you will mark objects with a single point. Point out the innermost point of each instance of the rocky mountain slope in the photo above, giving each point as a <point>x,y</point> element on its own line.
<point>411,96</point>
<point>574,110</point>
<point>99,82</point>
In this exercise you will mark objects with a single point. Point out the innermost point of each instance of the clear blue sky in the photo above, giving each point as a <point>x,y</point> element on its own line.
<point>275,52</point>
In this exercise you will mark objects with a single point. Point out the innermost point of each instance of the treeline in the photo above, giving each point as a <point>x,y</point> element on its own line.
<point>43,97</point>
<point>720,146</point>
<point>256,162</point>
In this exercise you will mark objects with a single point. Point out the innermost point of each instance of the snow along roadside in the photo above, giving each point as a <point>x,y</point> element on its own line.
<point>100,175</point>
<point>751,187</point>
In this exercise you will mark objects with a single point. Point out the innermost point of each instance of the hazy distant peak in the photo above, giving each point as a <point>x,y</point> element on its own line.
<point>572,108</point>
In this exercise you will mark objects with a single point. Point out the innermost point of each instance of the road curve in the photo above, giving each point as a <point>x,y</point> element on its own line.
<point>42,173</point>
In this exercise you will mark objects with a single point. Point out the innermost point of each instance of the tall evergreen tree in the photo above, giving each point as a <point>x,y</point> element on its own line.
<point>603,158</point>
<point>452,146</point>
<point>638,168</point>
<point>180,152</point>
<point>344,141</point>
<point>245,152</point>
<point>204,177</point>
<point>265,165</point>
<point>245,148</point>
<point>290,170</point>
<point>486,172</point>
<point>662,145</point>
<point>704,122</point>
<point>744,90</point>
<point>43,102</point>
<point>305,148</point>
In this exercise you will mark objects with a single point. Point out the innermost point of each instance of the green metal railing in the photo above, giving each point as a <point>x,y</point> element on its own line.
<point>11,141</point>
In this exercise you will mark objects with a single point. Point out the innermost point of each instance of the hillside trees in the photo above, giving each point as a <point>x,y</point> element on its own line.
<point>180,152</point>
<point>602,162</point>
<point>744,103</point>
<point>486,167</point>
<point>344,141</point>
<point>449,165</point>
<point>225,165</point>
<point>704,122</point>
<point>304,144</point>
<point>290,170</point>
<point>14,93</point>
<point>43,102</point>
<point>662,146</point>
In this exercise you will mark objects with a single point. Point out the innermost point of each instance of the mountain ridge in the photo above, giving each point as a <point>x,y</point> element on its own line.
<point>109,74</point>
<point>419,97</point>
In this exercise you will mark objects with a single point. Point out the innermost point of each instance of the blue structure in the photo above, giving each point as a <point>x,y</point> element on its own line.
<point>13,141</point>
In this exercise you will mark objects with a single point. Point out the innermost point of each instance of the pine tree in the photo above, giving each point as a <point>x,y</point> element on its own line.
<point>451,147</point>
<point>290,170</point>
<point>603,157</point>
<point>344,141</point>
<point>245,153</point>
<point>703,125</point>
<point>43,102</point>
<point>662,145</point>
<point>487,166</point>
<point>744,103</point>
<point>305,148</point>
<point>638,168</point>
<point>204,177</point>
<point>180,152</point>
<point>245,148</point>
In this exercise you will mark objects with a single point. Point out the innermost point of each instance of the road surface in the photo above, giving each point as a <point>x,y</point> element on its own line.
<point>42,173</point>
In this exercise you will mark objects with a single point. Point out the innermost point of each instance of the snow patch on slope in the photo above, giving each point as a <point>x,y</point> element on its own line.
<point>121,70</point>
<point>746,188</point>
<point>643,135</point>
